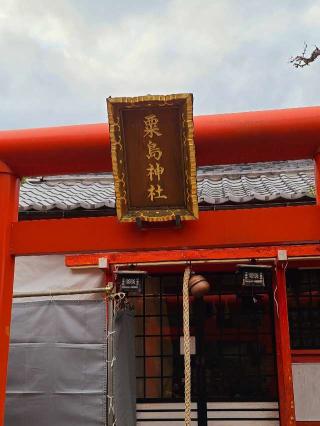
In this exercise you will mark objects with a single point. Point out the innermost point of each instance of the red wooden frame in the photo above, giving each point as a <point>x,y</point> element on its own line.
<point>306,254</point>
<point>305,355</point>
<point>224,228</point>
<point>220,139</point>
<point>285,383</point>
<point>287,134</point>
<point>311,423</point>
<point>9,186</point>
<point>283,353</point>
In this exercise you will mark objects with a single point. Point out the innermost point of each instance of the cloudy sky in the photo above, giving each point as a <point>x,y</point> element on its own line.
<point>60,59</point>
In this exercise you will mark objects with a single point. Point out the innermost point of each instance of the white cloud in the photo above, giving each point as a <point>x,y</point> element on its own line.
<point>311,14</point>
<point>60,60</point>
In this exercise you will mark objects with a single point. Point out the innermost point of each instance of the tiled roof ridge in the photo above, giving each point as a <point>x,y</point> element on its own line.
<point>232,170</point>
<point>257,169</point>
<point>241,183</point>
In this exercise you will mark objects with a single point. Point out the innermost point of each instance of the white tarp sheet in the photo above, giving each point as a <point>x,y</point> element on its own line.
<point>43,273</point>
<point>57,364</point>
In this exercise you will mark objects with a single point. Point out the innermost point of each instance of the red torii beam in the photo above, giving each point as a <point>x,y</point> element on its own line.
<point>220,139</point>
<point>288,134</point>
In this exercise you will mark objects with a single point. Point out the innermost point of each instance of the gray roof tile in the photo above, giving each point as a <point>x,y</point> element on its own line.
<point>240,183</point>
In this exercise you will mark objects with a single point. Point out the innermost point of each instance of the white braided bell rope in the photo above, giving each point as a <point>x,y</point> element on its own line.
<point>186,343</point>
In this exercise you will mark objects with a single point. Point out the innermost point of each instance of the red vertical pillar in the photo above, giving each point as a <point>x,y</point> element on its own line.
<point>317,176</point>
<point>109,314</point>
<point>9,191</point>
<point>285,384</point>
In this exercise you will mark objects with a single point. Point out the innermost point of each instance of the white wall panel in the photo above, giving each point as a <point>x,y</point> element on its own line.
<point>306,383</point>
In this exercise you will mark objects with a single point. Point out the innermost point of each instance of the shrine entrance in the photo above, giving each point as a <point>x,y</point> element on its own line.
<point>234,375</point>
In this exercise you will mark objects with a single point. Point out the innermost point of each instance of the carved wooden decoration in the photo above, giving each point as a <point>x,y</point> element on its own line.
<point>153,157</point>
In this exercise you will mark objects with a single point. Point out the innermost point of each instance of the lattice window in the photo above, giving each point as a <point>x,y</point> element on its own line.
<point>238,356</point>
<point>303,294</point>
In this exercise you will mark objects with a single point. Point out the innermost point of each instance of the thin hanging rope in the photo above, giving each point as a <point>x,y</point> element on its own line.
<point>186,344</point>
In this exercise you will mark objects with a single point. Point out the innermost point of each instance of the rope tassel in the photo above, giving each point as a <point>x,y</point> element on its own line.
<point>186,343</point>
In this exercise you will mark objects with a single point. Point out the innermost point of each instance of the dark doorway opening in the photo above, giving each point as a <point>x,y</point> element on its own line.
<point>233,331</point>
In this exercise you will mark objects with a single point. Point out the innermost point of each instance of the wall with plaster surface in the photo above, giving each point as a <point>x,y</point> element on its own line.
<point>306,383</point>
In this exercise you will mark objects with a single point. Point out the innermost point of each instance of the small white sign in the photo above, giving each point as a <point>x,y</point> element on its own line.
<point>103,263</point>
<point>282,255</point>
<point>192,345</point>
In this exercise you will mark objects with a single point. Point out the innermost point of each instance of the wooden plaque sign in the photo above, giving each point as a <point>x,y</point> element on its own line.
<point>153,157</point>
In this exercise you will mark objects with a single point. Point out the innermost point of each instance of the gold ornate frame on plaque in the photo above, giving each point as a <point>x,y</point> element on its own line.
<point>166,188</point>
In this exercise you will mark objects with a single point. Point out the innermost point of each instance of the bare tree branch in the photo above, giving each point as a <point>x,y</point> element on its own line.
<point>302,60</point>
